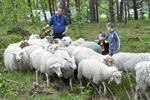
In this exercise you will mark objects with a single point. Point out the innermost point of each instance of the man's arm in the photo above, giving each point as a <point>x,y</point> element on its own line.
<point>66,25</point>
<point>66,28</point>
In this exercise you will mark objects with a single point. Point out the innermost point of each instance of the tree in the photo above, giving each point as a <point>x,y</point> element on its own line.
<point>43,9</point>
<point>121,11</point>
<point>125,11</point>
<point>117,9</point>
<point>128,9</point>
<point>111,12</point>
<point>93,4</point>
<point>50,7</point>
<point>149,9</point>
<point>135,10</point>
<point>30,6</point>
<point>77,4</point>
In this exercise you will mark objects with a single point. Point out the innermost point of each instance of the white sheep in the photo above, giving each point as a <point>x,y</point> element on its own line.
<point>68,65</point>
<point>127,61</point>
<point>77,42</point>
<point>34,36</point>
<point>81,53</point>
<point>46,63</point>
<point>98,72</point>
<point>142,77</point>
<point>92,45</point>
<point>15,58</point>
<point>39,42</point>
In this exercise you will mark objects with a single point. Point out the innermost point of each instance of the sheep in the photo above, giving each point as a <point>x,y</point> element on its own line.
<point>68,65</point>
<point>77,42</point>
<point>34,36</point>
<point>39,42</point>
<point>81,53</point>
<point>142,77</point>
<point>15,58</point>
<point>98,72</point>
<point>92,45</point>
<point>127,61</point>
<point>46,63</point>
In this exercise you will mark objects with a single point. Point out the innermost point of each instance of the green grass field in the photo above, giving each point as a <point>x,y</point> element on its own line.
<point>135,37</point>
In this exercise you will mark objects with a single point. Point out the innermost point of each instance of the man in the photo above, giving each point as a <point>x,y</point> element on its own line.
<point>113,39</point>
<point>59,23</point>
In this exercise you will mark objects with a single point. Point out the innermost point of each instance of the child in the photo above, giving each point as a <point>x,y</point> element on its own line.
<point>103,43</point>
<point>113,39</point>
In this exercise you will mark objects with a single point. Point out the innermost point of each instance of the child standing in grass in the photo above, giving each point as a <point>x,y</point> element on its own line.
<point>113,39</point>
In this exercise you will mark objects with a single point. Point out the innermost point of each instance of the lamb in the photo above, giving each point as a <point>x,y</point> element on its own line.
<point>15,58</point>
<point>46,63</point>
<point>98,72</point>
<point>142,77</point>
<point>127,61</point>
<point>68,65</point>
<point>34,36</point>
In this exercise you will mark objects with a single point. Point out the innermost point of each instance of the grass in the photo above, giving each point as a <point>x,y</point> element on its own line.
<point>19,85</point>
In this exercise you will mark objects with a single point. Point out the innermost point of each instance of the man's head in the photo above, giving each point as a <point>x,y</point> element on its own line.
<point>110,26</point>
<point>59,11</point>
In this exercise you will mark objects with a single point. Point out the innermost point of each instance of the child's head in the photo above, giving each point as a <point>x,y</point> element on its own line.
<point>101,36</point>
<point>110,26</point>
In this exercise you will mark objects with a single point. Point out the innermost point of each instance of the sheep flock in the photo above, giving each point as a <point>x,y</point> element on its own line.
<point>73,59</point>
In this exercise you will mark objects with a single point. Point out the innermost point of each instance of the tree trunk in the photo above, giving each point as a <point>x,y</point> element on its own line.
<point>128,7</point>
<point>42,7</point>
<point>68,11</point>
<point>53,6</point>
<point>96,11</point>
<point>50,7</point>
<point>30,6</point>
<point>149,9</point>
<point>121,10</point>
<point>117,6</point>
<point>135,10</point>
<point>125,11</point>
<point>111,12</point>
<point>92,10</point>
<point>77,3</point>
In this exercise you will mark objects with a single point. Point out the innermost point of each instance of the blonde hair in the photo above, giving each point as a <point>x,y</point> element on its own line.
<point>110,26</point>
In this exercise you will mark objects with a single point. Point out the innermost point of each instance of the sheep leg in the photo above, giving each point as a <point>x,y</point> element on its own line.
<point>147,96</point>
<point>105,91</point>
<point>70,83</point>
<point>136,93</point>
<point>37,77</point>
<point>47,79</point>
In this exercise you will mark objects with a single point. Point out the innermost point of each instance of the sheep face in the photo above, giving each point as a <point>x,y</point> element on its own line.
<point>117,76</point>
<point>71,62</point>
<point>66,41</point>
<point>18,56</point>
<point>56,69</point>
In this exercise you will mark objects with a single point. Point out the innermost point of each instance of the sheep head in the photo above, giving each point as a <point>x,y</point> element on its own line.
<point>66,40</point>
<point>56,69</point>
<point>117,76</point>
<point>71,62</point>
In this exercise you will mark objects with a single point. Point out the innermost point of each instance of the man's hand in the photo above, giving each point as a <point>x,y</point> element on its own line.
<point>63,33</point>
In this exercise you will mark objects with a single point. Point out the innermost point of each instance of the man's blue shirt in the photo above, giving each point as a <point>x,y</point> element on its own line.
<point>58,23</point>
